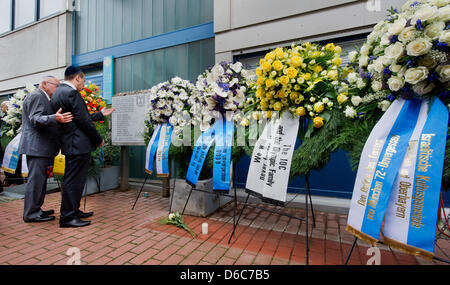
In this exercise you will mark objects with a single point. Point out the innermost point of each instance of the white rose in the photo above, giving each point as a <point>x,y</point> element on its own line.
<point>350,112</point>
<point>444,13</point>
<point>360,83</point>
<point>407,34</point>
<point>426,12</point>
<point>444,73</point>
<point>396,27</point>
<point>434,30</point>
<point>378,65</point>
<point>395,67</point>
<point>236,67</point>
<point>419,47</point>
<point>385,40</point>
<point>395,51</point>
<point>353,77</point>
<point>423,87</point>
<point>376,86</point>
<point>428,61</point>
<point>415,75</point>
<point>439,3</point>
<point>352,56</point>
<point>445,37</point>
<point>395,83</point>
<point>363,61</point>
<point>365,49</point>
<point>356,100</point>
<point>384,105</point>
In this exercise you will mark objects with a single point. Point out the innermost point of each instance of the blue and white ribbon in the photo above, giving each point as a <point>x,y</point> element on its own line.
<point>162,153</point>
<point>411,216</point>
<point>11,156</point>
<point>151,150</point>
<point>222,155</point>
<point>201,148</point>
<point>380,161</point>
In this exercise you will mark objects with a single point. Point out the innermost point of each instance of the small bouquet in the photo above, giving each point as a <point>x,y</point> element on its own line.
<point>177,220</point>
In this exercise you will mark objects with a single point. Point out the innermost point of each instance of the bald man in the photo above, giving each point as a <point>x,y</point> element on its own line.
<point>40,143</point>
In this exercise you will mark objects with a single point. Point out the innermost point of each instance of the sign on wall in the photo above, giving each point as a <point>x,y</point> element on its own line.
<point>128,120</point>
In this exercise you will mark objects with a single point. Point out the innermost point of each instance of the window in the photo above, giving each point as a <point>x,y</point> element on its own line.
<point>24,12</point>
<point>5,16</point>
<point>49,7</point>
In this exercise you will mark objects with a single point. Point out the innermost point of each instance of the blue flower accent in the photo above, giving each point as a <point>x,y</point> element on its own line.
<point>393,39</point>
<point>441,44</point>
<point>391,97</point>
<point>387,71</point>
<point>368,75</point>
<point>415,3</point>
<point>419,25</point>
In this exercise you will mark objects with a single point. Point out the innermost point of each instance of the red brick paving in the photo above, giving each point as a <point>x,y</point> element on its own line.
<point>119,235</point>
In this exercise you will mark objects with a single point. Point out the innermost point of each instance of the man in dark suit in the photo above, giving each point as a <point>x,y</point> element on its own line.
<point>39,142</point>
<point>79,138</point>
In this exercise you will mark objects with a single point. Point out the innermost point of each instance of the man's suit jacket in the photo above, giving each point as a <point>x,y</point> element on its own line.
<point>79,136</point>
<point>39,126</point>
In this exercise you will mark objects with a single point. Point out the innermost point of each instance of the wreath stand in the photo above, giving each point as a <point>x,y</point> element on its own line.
<point>279,212</point>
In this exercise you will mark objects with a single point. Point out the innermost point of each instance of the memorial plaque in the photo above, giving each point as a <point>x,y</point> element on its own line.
<point>128,120</point>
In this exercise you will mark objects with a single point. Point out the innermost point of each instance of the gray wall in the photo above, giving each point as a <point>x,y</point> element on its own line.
<point>244,26</point>
<point>42,48</point>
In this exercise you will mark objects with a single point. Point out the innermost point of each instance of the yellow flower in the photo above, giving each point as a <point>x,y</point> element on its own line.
<point>270,55</point>
<point>318,122</point>
<point>270,82</point>
<point>292,72</point>
<point>330,47</point>
<point>277,65</point>
<point>264,103</point>
<point>268,96</point>
<point>266,66</point>
<point>259,92</point>
<point>300,111</point>
<point>315,54</point>
<point>259,71</point>
<point>319,107</point>
<point>284,80</point>
<point>256,116</point>
<point>296,61</point>
<point>285,101</point>
<point>277,106</point>
<point>260,81</point>
<point>293,96</point>
<point>338,49</point>
<point>279,52</point>
<point>342,98</point>
<point>317,68</point>
<point>332,74</point>
<point>337,61</point>
<point>306,76</point>
<point>281,94</point>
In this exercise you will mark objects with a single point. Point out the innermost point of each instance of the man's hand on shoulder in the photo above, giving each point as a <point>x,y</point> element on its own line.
<point>63,118</point>
<point>107,112</point>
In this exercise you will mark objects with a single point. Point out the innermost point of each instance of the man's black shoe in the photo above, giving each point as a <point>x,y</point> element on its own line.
<point>48,213</point>
<point>82,215</point>
<point>40,219</point>
<point>73,223</point>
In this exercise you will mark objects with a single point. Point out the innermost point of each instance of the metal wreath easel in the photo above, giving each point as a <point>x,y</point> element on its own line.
<point>236,222</point>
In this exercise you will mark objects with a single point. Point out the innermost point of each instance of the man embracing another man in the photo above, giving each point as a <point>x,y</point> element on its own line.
<point>78,138</point>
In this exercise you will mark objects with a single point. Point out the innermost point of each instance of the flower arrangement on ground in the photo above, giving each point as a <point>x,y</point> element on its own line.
<point>406,56</point>
<point>177,220</point>
<point>12,125</point>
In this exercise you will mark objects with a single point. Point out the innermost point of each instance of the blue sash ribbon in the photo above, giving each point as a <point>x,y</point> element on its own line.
<point>201,148</point>
<point>387,167</point>
<point>151,150</point>
<point>222,155</point>
<point>428,178</point>
<point>11,155</point>
<point>168,129</point>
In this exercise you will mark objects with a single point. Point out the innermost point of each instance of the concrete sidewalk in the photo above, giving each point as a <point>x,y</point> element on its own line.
<point>121,236</point>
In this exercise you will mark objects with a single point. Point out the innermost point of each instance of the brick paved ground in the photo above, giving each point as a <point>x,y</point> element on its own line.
<point>119,235</point>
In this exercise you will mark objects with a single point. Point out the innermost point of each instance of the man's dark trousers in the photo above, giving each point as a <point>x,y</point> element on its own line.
<point>76,171</point>
<point>36,186</point>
